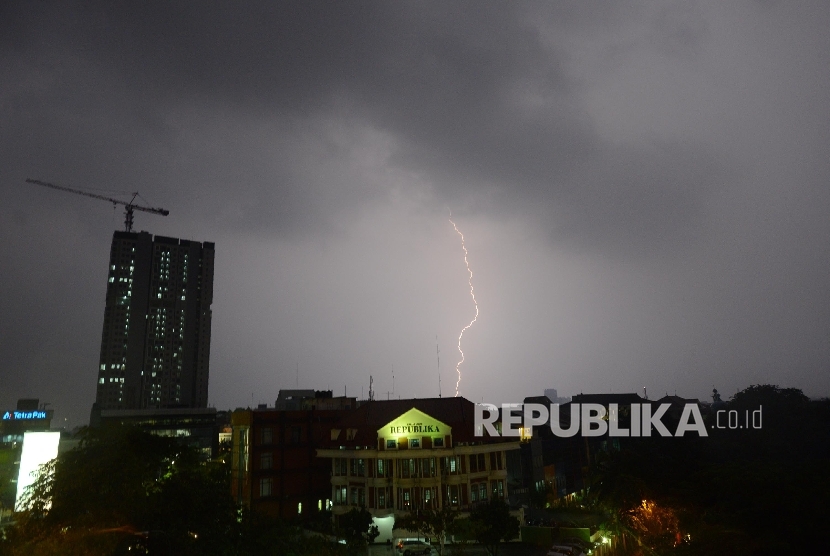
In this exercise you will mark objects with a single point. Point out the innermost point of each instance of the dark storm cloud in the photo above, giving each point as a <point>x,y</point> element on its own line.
<point>643,185</point>
<point>473,95</point>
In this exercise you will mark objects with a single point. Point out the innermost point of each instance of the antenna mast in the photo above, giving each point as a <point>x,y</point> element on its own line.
<point>438,356</point>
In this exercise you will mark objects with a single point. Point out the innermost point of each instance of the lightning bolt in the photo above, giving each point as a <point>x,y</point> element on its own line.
<point>473,295</point>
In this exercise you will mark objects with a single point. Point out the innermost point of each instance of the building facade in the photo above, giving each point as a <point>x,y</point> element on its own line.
<point>399,456</point>
<point>197,428</point>
<point>155,344</point>
<point>274,468</point>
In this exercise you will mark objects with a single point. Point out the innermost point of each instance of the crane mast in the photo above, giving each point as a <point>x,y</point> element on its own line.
<point>128,206</point>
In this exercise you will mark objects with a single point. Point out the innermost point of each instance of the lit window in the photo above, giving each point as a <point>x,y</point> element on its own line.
<point>414,442</point>
<point>299,507</point>
<point>391,444</point>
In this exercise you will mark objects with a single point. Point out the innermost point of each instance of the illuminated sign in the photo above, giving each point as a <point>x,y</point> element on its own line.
<point>414,422</point>
<point>21,415</point>
<point>413,427</point>
<point>38,448</point>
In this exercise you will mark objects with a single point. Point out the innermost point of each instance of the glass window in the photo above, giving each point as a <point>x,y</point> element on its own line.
<point>414,442</point>
<point>266,460</point>
<point>438,442</point>
<point>341,467</point>
<point>265,487</point>
<point>391,444</point>
<point>340,495</point>
<point>267,435</point>
<point>358,467</point>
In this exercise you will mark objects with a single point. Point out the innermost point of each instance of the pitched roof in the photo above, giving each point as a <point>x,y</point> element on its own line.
<point>458,413</point>
<point>605,399</point>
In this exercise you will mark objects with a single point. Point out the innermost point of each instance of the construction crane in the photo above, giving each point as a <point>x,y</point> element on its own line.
<point>128,206</point>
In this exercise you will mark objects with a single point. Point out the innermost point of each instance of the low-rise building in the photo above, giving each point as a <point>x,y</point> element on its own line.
<point>274,465</point>
<point>194,427</point>
<point>398,456</point>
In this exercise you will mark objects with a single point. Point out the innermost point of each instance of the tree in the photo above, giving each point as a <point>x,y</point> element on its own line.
<point>463,533</point>
<point>120,481</point>
<point>439,524</point>
<point>358,529</point>
<point>493,523</point>
<point>430,523</point>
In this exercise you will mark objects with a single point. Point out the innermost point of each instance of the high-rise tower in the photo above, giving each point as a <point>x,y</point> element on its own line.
<point>155,345</point>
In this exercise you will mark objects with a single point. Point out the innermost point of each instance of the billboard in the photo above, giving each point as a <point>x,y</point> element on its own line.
<point>38,448</point>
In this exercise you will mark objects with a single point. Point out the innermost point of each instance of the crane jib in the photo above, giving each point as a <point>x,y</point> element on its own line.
<point>128,206</point>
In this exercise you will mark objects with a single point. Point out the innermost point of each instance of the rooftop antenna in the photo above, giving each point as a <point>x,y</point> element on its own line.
<point>393,379</point>
<point>371,392</point>
<point>645,394</point>
<point>438,355</point>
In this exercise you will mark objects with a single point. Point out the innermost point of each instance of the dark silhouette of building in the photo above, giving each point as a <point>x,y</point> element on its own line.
<point>155,344</point>
<point>553,467</point>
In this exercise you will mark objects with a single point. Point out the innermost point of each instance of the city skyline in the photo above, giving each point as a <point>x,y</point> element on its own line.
<point>642,192</point>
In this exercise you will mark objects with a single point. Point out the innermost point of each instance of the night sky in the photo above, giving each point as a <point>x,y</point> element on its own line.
<point>644,190</point>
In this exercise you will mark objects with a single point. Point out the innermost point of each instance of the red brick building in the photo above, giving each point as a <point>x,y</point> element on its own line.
<point>275,469</point>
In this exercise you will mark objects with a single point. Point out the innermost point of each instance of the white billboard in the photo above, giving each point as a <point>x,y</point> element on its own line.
<point>38,448</point>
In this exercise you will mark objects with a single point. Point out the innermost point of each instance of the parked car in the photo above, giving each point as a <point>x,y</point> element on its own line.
<point>584,546</point>
<point>412,547</point>
<point>564,550</point>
